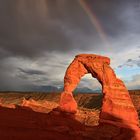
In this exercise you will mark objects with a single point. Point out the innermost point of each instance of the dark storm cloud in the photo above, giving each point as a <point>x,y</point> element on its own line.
<point>31,27</point>
<point>118,17</point>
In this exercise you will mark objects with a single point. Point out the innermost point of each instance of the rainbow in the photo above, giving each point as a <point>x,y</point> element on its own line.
<point>95,21</point>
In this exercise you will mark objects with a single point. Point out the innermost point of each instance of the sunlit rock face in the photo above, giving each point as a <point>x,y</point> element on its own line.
<point>117,107</point>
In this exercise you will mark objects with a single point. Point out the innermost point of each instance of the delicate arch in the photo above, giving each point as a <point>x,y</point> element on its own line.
<point>116,105</point>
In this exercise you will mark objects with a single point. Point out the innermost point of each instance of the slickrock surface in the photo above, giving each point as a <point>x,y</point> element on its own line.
<point>22,122</point>
<point>36,118</point>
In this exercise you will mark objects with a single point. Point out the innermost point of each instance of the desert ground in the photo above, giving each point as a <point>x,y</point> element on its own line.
<point>34,115</point>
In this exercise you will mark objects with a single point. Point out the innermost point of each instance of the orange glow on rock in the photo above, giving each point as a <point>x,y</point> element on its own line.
<point>117,107</point>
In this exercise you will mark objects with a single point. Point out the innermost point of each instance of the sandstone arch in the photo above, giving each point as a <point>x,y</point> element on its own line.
<point>117,107</point>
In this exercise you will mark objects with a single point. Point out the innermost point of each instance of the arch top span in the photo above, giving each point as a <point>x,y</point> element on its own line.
<point>104,59</point>
<point>117,107</point>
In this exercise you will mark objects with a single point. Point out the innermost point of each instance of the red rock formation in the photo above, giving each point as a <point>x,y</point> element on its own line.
<point>117,107</point>
<point>6,105</point>
<point>44,107</point>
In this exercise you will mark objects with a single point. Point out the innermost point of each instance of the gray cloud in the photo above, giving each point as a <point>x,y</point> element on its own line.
<point>117,17</point>
<point>131,63</point>
<point>31,28</point>
<point>134,83</point>
<point>38,39</point>
<point>31,71</point>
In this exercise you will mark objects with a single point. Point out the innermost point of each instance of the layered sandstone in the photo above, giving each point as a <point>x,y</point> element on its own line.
<point>117,107</point>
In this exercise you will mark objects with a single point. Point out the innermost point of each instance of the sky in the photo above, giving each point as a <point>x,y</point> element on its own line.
<point>39,39</point>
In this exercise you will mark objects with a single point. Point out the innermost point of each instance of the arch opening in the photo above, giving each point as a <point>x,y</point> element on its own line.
<point>88,84</point>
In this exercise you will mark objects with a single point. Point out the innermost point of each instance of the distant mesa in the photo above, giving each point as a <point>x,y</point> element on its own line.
<point>50,88</point>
